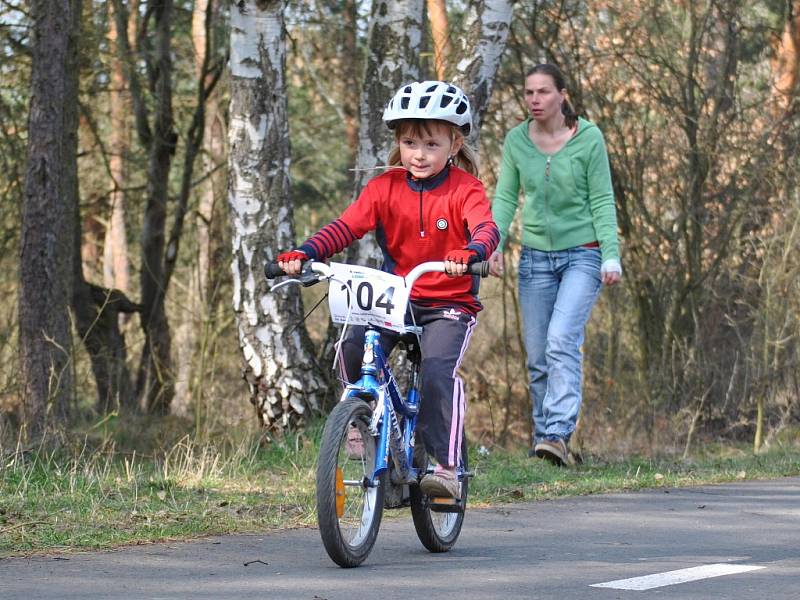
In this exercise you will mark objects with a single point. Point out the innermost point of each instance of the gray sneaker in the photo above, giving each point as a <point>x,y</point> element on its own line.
<point>554,451</point>
<point>439,485</point>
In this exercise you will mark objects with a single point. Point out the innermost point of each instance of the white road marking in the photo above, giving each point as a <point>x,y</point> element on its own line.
<point>680,576</point>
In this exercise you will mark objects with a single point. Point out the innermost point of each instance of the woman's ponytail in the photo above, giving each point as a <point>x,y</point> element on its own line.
<point>570,116</point>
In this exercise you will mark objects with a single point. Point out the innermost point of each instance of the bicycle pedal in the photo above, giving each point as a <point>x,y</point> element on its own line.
<point>446,505</point>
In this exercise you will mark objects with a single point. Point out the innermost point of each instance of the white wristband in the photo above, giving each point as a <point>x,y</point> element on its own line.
<point>612,265</point>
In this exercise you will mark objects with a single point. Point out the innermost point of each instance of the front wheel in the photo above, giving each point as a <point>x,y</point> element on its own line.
<point>349,504</point>
<point>438,526</point>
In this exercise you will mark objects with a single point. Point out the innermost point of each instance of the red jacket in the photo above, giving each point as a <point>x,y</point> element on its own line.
<point>414,222</point>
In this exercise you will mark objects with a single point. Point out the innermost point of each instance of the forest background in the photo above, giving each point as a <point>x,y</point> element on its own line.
<point>123,217</point>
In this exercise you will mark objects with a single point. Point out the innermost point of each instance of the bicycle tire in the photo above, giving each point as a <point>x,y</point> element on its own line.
<point>438,531</point>
<point>348,511</point>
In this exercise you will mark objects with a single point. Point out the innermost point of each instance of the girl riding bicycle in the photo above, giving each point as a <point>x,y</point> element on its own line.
<point>430,208</point>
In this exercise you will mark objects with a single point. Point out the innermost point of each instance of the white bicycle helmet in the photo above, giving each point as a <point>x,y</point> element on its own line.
<point>430,100</point>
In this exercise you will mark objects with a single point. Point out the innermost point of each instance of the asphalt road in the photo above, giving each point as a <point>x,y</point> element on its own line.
<point>555,549</point>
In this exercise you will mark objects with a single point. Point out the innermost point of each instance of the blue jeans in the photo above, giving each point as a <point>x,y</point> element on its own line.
<point>556,293</point>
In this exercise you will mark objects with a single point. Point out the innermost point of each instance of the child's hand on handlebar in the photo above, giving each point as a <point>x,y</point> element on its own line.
<point>292,261</point>
<point>456,262</point>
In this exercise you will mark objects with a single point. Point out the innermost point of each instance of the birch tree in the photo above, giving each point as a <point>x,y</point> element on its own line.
<point>394,38</point>
<point>486,25</point>
<point>285,382</point>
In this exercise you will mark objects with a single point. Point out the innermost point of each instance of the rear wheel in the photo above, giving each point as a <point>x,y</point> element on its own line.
<point>349,507</point>
<point>438,524</point>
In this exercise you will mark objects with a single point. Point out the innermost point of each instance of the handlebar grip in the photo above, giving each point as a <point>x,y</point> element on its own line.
<point>272,270</point>
<point>479,268</point>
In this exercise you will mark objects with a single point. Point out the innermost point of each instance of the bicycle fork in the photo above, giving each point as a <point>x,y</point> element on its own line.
<point>392,439</point>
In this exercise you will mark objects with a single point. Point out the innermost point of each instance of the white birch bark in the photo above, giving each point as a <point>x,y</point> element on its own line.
<point>395,34</point>
<point>486,28</point>
<point>284,380</point>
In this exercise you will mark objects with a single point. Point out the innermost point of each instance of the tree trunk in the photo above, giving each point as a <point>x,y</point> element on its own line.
<point>774,315</point>
<point>486,25</point>
<point>786,63</point>
<point>350,63</point>
<point>279,362</point>
<point>45,262</point>
<point>395,33</point>
<point>96,310</point>
<point>116,273</point>
<point>437,16</point>
<point>155,381</point>
<point>193,317</point>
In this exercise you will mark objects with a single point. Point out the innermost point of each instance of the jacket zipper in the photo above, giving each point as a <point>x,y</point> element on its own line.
<point>421,224</point>
<point>547,199</point>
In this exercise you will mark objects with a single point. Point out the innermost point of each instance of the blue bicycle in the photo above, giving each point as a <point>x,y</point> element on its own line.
<point>368,459</point>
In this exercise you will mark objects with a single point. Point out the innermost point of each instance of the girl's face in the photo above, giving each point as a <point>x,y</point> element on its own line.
<point>424,150</point>
<point>542,98</point>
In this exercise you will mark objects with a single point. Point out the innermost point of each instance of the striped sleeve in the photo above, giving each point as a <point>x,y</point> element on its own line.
<point>483,233</point>
<point>329,240</point>
<point>485,237</point>
<point>357,219</point>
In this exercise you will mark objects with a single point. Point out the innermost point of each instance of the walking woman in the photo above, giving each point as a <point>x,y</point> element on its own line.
<point>569,247</point>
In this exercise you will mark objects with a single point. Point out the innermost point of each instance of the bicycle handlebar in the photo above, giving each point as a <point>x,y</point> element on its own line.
<point>272,270</point>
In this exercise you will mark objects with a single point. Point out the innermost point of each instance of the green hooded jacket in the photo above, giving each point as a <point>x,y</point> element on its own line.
<point>569,200</point>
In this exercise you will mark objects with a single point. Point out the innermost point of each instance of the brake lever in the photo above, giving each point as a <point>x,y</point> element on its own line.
<point>307,277</point>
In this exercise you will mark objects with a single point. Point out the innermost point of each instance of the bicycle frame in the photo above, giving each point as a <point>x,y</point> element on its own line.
<point>377,383</point>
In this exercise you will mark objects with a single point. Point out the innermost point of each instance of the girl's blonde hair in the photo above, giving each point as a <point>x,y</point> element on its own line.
<point>466,158</point>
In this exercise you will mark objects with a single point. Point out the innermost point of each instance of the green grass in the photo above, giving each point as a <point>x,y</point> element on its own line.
<point>509,476</point>
<point>99,496</point>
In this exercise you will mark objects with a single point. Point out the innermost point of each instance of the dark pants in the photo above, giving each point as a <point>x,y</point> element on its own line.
<point>444,340</point>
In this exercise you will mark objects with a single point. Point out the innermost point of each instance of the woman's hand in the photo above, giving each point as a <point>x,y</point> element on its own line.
<point>496,264</point>
<point>611,272</point>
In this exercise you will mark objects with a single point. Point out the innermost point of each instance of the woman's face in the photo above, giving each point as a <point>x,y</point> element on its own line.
<point>425,153</point>
<point>542,98</point>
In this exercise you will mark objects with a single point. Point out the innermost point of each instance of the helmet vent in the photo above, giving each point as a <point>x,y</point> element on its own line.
<point>423,102</point>
<point>404,103</point>
<point>431,88</point>
<point>445,101</point>
<point>462,108</point>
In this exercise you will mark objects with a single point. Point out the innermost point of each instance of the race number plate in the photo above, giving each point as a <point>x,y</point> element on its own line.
<point>371,296</point>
